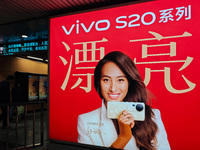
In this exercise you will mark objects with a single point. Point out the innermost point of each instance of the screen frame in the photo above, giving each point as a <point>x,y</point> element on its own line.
<point>68,143</point>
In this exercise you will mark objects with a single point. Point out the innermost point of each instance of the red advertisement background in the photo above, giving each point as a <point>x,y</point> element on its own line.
<point>179,111</point>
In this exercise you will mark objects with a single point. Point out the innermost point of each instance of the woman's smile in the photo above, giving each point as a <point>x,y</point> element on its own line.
<point>114,96</point>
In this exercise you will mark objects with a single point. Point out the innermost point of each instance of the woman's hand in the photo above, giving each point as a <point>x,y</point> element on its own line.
<point>126,122</point>
<point>126,118</point>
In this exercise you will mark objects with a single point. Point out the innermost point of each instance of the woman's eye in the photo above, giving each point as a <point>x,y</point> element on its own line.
<point>105,80</point>
<point>120,80</point>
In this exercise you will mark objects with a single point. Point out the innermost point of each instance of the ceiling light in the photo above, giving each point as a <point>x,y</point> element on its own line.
<point>35,58</point>
<point>24,36</point>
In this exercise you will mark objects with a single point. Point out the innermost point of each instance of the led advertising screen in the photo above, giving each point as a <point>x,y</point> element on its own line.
<point>24,47</point>
<point>162,39</point>
<point>34,86</point>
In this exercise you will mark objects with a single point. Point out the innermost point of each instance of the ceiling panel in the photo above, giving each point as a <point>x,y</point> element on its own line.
<point>18,10</point>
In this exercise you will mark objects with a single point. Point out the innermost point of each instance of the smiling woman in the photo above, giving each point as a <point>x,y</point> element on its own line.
<point>117,79</point>
<point>113,83</point>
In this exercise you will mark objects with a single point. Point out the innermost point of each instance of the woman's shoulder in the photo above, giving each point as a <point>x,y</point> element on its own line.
<point>157,115</point>
<point>156,112</point>
<point>157,119</point>
<point>162,141</point>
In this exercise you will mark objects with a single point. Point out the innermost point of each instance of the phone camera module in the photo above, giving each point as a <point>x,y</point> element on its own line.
<point>139,107</point>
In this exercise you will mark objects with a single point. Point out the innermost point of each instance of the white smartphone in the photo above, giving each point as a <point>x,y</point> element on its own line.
<point>137,109</point>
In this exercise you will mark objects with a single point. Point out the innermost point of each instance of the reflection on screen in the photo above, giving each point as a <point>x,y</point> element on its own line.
<point>33,87</point>
<point>43,84</point>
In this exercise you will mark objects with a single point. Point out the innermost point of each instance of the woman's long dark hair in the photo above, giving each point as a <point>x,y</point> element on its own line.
<point>143,131</point>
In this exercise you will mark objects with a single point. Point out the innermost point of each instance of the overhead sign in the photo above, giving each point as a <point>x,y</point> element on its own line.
<point>23,44</point>
<point>23,47</point>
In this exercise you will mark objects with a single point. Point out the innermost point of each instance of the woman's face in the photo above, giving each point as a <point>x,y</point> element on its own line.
<point>113,83</point>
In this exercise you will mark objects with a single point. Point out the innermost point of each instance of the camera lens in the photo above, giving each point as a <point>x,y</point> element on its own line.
<point>139,107</point>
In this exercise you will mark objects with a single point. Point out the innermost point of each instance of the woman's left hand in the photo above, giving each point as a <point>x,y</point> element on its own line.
<point>126,122</point>
<point>127,118</point>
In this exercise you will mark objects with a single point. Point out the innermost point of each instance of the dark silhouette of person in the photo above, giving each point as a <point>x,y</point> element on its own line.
<point>17,96</point>
<point>5,97</point>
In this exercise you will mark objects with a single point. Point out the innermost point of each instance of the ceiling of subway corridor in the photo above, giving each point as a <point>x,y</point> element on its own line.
<point>19,17</point>
<point>25,11</point>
